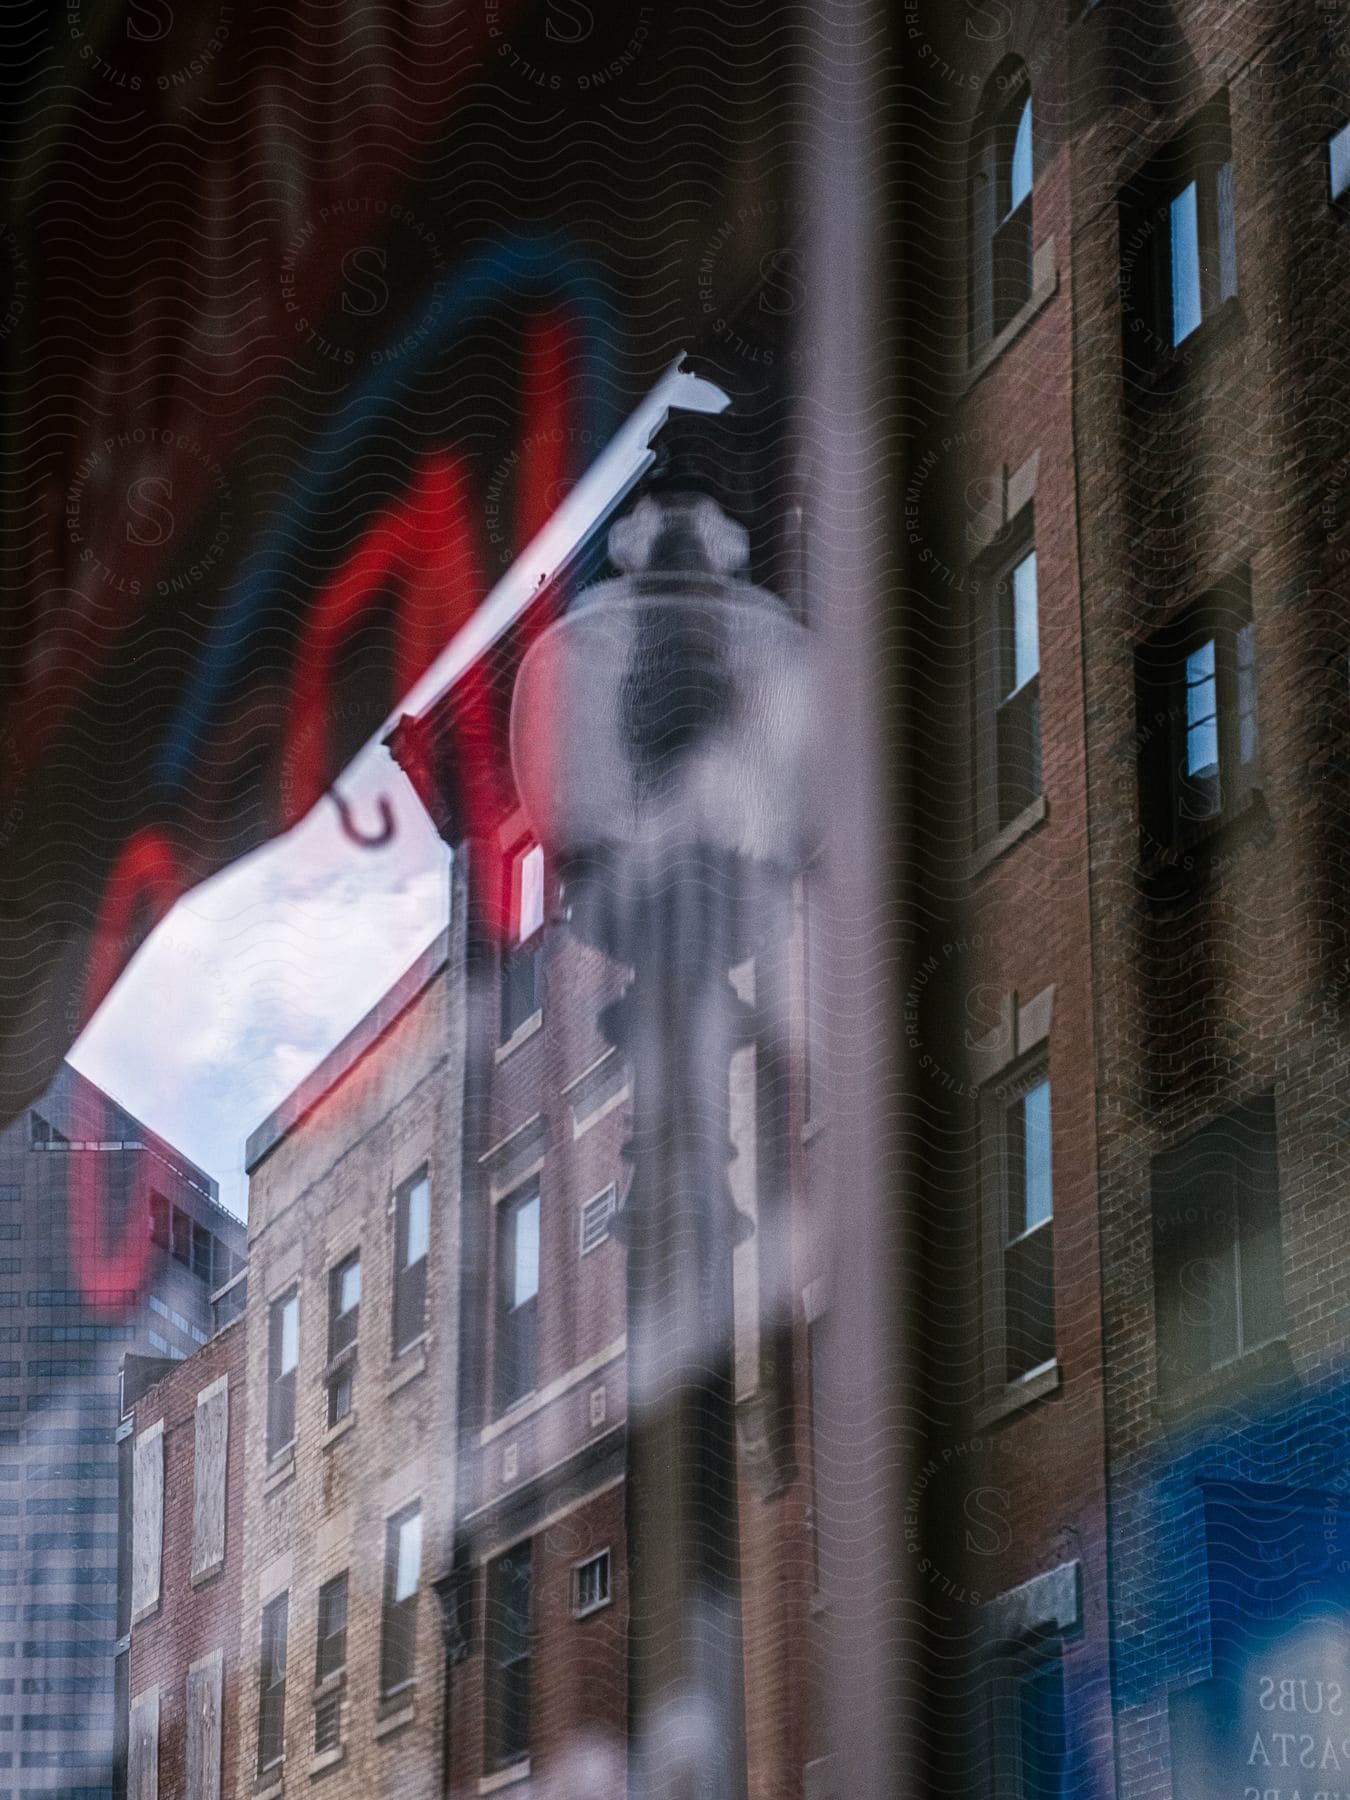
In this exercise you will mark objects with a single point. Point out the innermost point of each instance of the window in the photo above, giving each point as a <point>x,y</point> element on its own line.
<point>182,1237</point>
<point>1218,1287</point>
<point>1027,1723</point>
<point>201,1253</point>
<point>522,957</point>
<point>159,1221</point>
<point>283,1356</point>
<point>1001,211</point>
<point>596,1218</point>
<point>1179,238</point>
<point>1008,697</point>
<point>517,1298</point>
<point>272,1684</point>
<point>590,1585</point>
<point>344,1307</point>
<point>1198,732</point>
<point>1338,152</point>
<point>330,1662</point>
<point>412,1237</point>
<point>507,1672</point>
<point>402,1572</point>
<point>1019,1226</point>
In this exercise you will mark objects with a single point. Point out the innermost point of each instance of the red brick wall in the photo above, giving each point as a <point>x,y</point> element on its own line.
<point>192,1621</point>
<point>577,1680</point>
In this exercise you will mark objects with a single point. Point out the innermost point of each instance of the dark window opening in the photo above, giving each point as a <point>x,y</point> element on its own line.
<point>1002,182</point>
<point>507,1672</point>
<point>1195,695</point>
<point>331,1656</point>
<point>182,1237</point>
<point>1217,1265</point>
<point>1179,239</point>
<point>272,1684</point>
<point>344,1308</point>
<point>1008,696</point>
<point>1028,1251</point>
<point>1027,1736</point>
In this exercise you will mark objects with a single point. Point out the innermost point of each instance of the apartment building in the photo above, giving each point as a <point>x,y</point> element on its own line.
<point>350,1366</point>
<point>113,1242</point>
<point>179,1670</point>
<point>1126,520</point>
<point>1210,391</point>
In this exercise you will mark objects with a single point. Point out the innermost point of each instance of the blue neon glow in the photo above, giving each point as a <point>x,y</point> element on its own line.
<point>281,564</point>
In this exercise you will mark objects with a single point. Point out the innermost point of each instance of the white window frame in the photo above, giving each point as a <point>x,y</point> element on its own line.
<point>584,1609</point>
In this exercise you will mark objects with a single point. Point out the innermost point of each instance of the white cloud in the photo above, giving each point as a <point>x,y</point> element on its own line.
<point>255,976</point>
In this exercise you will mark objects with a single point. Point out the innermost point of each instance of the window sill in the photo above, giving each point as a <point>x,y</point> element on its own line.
<point>818,1603</point>
<point>340,1430</point>
<point>1041,296</point>
<point>1018,1395</point>
<point>522,1033</point>
<point>279,1471</point>
<point>331,1684</point>
<point>1199,854</point>
<point>1173,365</point>
<point>327,1759</point>
<point>395,1721</point>
<point>412,1362</point>
<point>488,1784</point>
<point>269,1785</point>
<point>1269,1368</point>
<point>596,1606</point>
<point>200,1577</point>
<point>812,1130</point>
<point>987,854</point>
<point>146,1612</point>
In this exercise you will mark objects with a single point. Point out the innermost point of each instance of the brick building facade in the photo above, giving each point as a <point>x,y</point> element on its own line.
<point>1123,523</point>
<point>349,1472</point>
<point>540,1553</point>
<point>183,1446</point>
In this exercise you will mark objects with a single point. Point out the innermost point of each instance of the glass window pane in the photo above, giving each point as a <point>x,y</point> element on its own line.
<point>1202,748</point>
<point>1227,231</point>
<point>1021,181</point>
<point>1185,264</point>
<point>349,1287</point>
<point>1202,707</point>
<point>526,1275</point>
<point>409,1568</point>
<point>1026,637</point>
<point>531,876</point>
<point>290,1334</point>
<point>1038,1190</point>
<point>1340,162</point>
<point>419,1222</point>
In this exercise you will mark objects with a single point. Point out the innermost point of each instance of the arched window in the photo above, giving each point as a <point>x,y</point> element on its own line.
<point>1003,176</point>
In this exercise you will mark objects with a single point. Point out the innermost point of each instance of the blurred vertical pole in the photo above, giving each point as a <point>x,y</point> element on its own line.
<point>677,1024</point>
<point>866,1395</point>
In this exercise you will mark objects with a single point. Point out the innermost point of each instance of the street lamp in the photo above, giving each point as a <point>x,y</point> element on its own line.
<point>660,741</point>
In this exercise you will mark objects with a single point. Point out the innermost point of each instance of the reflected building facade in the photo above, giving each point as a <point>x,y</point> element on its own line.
<point>83,1185</point>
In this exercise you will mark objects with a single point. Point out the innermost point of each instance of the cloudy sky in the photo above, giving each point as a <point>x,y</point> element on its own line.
<point>253,977</point>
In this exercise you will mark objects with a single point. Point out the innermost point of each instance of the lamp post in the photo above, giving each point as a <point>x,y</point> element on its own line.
<point>660,743</point>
